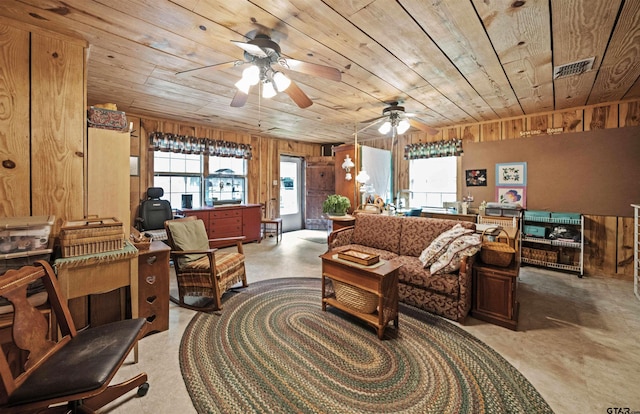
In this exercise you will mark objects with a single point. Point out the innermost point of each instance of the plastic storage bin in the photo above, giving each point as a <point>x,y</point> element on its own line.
<point>25,236</point>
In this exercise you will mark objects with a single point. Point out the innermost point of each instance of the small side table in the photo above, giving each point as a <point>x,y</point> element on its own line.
<point>495,294</point>
<point>338,222</point>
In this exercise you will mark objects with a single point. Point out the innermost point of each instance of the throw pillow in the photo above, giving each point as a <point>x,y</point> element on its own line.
<point>189,235</point>
<point>440,244</point>
<point>450,261</point>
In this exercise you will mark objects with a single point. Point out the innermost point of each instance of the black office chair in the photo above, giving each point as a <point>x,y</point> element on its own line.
<point>152,214</point>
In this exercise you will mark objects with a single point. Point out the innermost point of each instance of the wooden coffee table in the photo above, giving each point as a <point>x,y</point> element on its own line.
<point>380,279</point>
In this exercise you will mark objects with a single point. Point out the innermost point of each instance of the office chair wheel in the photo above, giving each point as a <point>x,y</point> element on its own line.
<point>143,389</point>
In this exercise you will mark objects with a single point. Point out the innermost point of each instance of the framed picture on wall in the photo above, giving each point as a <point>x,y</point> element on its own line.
<point>476,178</point>
<point>512,194</point>
<point>514,173</point>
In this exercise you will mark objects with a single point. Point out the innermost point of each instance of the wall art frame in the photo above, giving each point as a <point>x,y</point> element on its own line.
<point>511,174</point>
<point>512,194</point>
<point>476,178</point>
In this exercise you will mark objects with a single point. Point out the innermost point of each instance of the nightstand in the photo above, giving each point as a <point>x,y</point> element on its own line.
<point>495,294</point>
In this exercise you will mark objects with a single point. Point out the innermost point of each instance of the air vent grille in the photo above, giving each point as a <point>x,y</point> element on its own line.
<point>574,68</point>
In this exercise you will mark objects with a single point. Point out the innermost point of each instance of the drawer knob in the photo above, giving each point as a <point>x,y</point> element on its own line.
<point>151,299</point>
<point>151,279</point>
<point>152,259</point>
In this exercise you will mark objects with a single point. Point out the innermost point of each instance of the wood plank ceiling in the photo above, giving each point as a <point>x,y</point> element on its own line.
<point>448,61</point>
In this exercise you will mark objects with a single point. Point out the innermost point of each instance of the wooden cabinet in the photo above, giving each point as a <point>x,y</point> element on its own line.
<point>108,175</point>
<point>153,286</point>
<point>230,221</point>
<point>495,294</point>
<point>251,216</point>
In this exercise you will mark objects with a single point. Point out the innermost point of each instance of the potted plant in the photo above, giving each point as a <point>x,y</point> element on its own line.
<point>336,205</point>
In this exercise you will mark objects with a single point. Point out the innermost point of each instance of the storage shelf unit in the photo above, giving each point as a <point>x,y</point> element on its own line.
<point>555,247</point>
<point>636,249</point>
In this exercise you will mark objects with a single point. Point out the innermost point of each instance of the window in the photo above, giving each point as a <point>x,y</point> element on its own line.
<point>432,181</point>
<point>180,174</point>
<point>226,184</point>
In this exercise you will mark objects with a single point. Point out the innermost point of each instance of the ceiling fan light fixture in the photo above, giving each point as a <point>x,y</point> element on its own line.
<point>268,91</point>
<point>243,85</point>
<point>403,126</point>
<point>385,128</point>
<point>251,75</point>
<point>281,81</point>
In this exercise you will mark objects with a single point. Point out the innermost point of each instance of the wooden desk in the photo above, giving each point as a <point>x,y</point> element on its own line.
<point>81,276</point>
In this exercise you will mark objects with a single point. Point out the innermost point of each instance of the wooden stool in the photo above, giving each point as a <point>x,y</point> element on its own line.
<point>272,226</point>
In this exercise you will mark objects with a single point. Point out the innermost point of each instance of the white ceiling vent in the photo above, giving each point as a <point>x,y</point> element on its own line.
<point>574,68</point>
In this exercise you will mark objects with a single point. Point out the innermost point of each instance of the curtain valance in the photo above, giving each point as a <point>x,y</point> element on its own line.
<point>450,148</point>
<point>191,145</point>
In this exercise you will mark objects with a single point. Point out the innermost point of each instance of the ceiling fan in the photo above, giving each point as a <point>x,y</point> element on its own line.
<point>260,52</point>
<point>395,120</point>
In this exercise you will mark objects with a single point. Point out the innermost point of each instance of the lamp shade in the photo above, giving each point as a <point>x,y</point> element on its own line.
<point>281,81</point>
<point>348,163</point>
<point>362,177</point>
<point>243,85</point>
<point>268,91</point>
<point>385,128</point>
<point>251,75</point>
<point>403,126</point>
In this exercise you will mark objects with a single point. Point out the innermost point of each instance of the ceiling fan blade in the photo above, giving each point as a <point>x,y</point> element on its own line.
<point>251,49</point>
<point>419,125</point>
<point>375,121</point>
<point>298,96</point>
<point>314,69</point>
<point>239,99</point>
<point>219,66</point>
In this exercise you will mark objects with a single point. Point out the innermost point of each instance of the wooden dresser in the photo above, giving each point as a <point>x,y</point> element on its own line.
<point>153,286</point>
<point>230,221</point>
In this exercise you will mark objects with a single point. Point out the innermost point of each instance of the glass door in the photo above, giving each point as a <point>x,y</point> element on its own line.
<point>291,190</point>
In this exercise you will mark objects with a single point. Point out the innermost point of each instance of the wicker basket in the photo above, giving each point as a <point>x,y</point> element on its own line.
<point>355,298</point>
<point>497,253</point>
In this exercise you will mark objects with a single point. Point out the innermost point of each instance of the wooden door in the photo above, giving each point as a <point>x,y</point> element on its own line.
<point>320,182</point>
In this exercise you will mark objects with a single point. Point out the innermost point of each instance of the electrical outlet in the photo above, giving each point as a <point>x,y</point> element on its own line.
<point>275,183</point>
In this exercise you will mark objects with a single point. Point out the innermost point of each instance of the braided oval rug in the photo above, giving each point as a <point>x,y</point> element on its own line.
<point>273,349</point>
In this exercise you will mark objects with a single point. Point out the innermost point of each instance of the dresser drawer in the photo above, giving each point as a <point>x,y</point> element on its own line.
<point>220,214</point>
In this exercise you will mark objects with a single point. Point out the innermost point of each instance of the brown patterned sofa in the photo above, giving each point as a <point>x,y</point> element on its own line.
<point>403,239</point>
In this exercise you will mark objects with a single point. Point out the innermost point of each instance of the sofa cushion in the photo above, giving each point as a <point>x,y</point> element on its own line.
<point>419,232</point>
<point>384,254</point>
<point>439,245</point>
<point>413,273</point>
<point>466,245</point>
<point>377,231</point>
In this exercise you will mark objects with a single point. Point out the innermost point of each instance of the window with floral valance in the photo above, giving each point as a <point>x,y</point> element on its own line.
<point>183,144</point>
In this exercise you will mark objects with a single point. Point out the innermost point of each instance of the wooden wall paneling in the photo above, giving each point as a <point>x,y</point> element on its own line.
<point>601,117</point>
<point>624,247</point>
<point>569,120</point>
<point>511,129</point>
<point>451,133</point>
<point>14,123</point>
<point>471,133</point>
<point>58,122</point>
<point>538,122</point>
<point>147,126</point>
<point>135,181</point>
<point>629,113</point>
<point>400,167</point>
<point>273,203</point>
<point>600,234</point>
<point>257,180</point>
<point>490,131</point>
